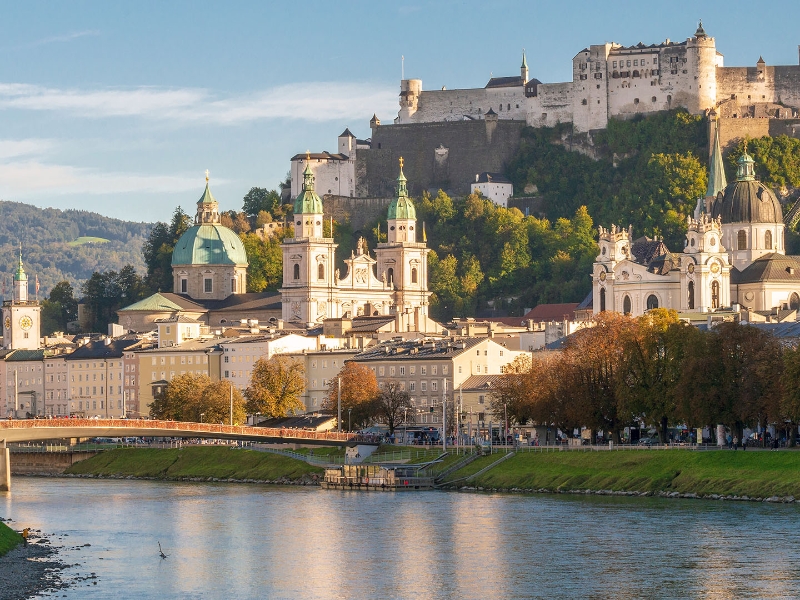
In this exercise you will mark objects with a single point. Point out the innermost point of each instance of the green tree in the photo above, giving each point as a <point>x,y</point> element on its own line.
<point>105,293</point>
<point>260,199</point>
<point>276,386</point>
<point>157,250</point>
<point>59,309</point>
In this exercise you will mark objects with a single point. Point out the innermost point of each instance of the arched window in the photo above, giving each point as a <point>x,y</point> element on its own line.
<point>652,302</point>
<point>715,294</point>
<point>690,299</point>
<point>321,271</point>
<point>390,275</point>
<point>414,275</point>
<point>742,240</point>
<point>626,305</point>
<point>794,301</point>
<point>768,240</point>
<point>297,271</point>
<point>602,299</point>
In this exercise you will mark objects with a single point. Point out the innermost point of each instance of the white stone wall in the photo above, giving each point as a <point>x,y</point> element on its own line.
<point>498,193</point>
<point>331,176</point>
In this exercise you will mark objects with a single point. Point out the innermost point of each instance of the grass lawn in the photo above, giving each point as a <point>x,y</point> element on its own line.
<point>9,539</point>
<point>87,240</point>
<point>724,472</point>
<point>217,462</point>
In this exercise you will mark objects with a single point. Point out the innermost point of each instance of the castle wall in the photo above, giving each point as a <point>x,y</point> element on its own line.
<point>331,176</point>
<point>438,155</point>
<point>552,105</point>
<point>732,130</point>
<point>360,212</point>
<point>454,105</point>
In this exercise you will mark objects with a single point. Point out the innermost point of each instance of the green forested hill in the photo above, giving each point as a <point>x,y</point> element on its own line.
<point>52,250</point>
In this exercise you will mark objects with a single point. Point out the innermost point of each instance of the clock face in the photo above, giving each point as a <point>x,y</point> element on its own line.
<point>715,267</point>
<point>603,276</point>
<point>690,268</point>
<point>25,322</point>
<point>7,323</point>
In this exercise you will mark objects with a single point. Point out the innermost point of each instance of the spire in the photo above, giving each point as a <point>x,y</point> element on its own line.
<point>207,207</point>
<point>523,70</point>
<point>402,190</point>
<point>308,176</point>
<point>307,201</point>
<point>401,207</point>
<point>716,170</point>
<point>19,274</point>
<point>524,60</point>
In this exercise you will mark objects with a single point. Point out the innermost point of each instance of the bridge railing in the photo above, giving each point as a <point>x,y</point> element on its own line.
<point>185,426</point>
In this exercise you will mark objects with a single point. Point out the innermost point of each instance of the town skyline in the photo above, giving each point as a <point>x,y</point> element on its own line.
<point>121,112</point>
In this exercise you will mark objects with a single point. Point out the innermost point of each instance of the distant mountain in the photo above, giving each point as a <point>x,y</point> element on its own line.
<point>69,245</point>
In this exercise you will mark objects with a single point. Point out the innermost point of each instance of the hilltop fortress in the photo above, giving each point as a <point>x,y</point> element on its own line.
<point>449,136</point>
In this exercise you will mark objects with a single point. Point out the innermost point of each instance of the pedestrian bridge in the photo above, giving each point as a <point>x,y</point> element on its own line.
<point>30,430</point>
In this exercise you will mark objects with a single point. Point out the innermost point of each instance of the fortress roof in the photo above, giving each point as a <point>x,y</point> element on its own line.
<point>320,156</point>
<point>487,177</point>
<point>496,82</point>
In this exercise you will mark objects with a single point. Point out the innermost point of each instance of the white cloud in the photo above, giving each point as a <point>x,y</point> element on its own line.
<point>27,147</point>
<point>67,37</point>
<point>32,178</point>
<point>307,101</point>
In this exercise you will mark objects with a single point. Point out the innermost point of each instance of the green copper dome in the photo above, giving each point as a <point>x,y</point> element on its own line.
<point>209,244</point>
<point>19,274</point>
<point>307,201</point>
<point>402,207</point>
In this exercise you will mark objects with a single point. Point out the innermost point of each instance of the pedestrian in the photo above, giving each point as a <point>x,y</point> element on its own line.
<point>729,439</point>
<point>735,442</point>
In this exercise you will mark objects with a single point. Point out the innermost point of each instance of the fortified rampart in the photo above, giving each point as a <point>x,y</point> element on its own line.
<point>732,130</point>
<point>360,212</point>
<point>438,155</point>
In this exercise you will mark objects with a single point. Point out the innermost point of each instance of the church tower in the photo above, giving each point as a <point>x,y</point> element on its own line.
<point>402,261</point>
<point>21,316</point>
<point>308,260</point>
<point>523,70</point>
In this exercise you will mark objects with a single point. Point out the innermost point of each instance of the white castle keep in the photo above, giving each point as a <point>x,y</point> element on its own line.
<point>614,81</point>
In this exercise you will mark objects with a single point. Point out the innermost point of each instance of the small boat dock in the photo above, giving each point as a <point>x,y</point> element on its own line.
<point>376,478</point>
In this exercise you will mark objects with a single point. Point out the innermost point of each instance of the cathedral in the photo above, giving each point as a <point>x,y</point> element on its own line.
<point>733,253</point>
<point>393,283</point>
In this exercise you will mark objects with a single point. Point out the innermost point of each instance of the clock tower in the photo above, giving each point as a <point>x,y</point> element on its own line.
<point>21,316</point>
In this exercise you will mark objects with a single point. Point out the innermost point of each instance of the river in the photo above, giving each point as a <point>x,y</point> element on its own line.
<point>254,541</point>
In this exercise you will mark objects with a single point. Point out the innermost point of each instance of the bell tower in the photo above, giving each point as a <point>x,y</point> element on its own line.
<point>21,316</point>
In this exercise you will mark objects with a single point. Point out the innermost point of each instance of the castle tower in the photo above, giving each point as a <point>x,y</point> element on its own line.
<point>701,54</point>
<point>523,70</point>
<point>21,317</point>
<point>308,260</point>
<point>410,90</point>
<point>615,247</point>
<point>402,261</point>
<point>209,261</point>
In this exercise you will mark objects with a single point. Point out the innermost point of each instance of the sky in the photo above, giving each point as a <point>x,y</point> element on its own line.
<point>120,107</point>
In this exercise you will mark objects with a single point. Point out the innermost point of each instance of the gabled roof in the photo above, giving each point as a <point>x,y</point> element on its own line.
<point>479,382</point>
<point>320,156</point>
<point>25,355</point>
<point>101,349</point>
<point>645,249</point>
<point>418,349</point>
<point>155,303</point>
<point>347,133</point>
<point>551,312</point>
<point>496,82</point>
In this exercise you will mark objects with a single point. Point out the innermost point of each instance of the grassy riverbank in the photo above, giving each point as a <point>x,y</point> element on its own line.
<point>195,462</point>
<point>9,539</point>
<point>724,472</point>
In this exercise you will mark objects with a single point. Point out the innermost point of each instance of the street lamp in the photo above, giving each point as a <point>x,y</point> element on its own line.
<point>201,416</point>
<point>349,420</point>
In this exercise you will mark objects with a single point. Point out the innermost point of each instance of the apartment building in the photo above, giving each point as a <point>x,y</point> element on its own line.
<point>95,373</point>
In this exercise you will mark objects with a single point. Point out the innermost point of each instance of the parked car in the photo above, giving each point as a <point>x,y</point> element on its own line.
<point>649,441</point>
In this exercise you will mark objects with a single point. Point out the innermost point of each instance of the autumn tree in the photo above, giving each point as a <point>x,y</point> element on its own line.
<point>359,389</point>
<point>276,386</point>
<point>790,392</point>
<point>393,406</point>
<point>215,404</point>
<point>182,399</point>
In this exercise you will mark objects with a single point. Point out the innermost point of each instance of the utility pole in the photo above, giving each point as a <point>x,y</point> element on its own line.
<point>339,403</point>
<point>231,403</point>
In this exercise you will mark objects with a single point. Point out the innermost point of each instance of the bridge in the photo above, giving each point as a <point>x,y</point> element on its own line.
<point>29,430</point>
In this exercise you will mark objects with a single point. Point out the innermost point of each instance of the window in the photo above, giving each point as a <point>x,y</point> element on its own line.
<point>296,271</point>
<point>414,275</point>
<point>381,371</point>
<point>481,399</point>
<point>602,299</point>
<point>402,370</point>
<point>433,386</point>
<point>434,368</point>
<point>768,240</point>
<point>478,368</point>
<point>391,371</point>
<point>390,275</point>
<point>690,299</point>
<point>444,369</point>
<point>423,386</point>
<point>233,285</point>
<point>321,271</point>
<point>184,286</point>
<point>652,302</point>
<point>412,386</point>
<point>208,285</point>
<point>741,238</point>
<point>413,370</point>
<point>626,305</point>
<point>423,370</point>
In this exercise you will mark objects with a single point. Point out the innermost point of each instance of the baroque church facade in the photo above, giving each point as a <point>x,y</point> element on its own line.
<point>733,253</point>
<point>392,283</point>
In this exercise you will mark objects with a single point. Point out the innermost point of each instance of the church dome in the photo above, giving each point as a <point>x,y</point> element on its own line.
<point>401,206</point>
<point>209,244</point>
<point>747,200</point>
<point>307,201</point>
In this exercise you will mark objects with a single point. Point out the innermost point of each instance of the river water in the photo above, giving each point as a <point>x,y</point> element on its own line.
<point>254,541</point>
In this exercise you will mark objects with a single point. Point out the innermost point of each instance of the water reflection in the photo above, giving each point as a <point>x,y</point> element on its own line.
<point>239,541</point>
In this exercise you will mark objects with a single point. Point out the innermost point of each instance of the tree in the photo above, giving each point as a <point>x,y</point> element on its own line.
<point>105,293</point>
<point>182,399</point>
<point>215,404</point>
<point>790,396</point>
<point>157,250</point>
<point>260,199</point>
<point>359,389</point>
<point>275,386</point>
<point>59,309</point>
<point>392,406</point>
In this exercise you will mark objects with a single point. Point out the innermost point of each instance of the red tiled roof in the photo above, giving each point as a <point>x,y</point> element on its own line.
<point>552,312</point>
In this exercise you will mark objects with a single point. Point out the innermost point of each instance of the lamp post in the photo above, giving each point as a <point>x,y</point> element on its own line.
<point>201,416</point>
<point>405,425</point>
<point>349,420</point>
<point>505,424</point>
<point>231,404</point>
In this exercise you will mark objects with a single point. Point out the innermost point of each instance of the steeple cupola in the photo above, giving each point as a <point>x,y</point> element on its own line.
<point>308,209</point>
<point>20,282</point>
<point>745,167</point>
<point>207,207</point>
<point>401,216</point>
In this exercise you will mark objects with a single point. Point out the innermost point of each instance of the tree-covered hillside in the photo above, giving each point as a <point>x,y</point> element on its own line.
<point>66,245</point>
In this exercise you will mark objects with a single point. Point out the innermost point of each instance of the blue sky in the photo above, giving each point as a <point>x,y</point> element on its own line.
<point>120,107</point>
